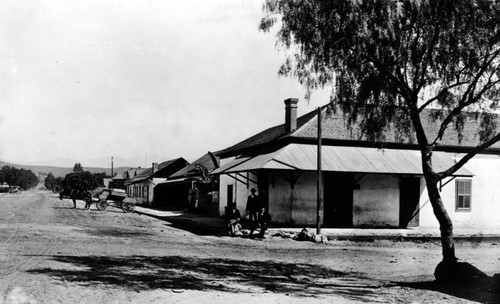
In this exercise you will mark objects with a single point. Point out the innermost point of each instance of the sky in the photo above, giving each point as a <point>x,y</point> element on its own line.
<point>140,81</point>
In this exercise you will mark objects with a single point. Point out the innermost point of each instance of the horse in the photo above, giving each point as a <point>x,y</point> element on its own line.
<point>75,194</point>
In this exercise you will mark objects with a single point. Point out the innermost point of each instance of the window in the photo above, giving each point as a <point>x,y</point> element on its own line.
<point>463,194</point>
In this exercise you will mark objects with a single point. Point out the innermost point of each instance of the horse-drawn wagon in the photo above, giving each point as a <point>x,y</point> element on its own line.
<point>114,197</point>
<point>102,199</point>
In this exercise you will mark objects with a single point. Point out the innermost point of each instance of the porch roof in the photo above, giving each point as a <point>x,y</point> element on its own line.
<point>341,159</point>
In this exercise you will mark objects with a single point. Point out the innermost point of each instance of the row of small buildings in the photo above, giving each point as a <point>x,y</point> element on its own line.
<point>364,184</point>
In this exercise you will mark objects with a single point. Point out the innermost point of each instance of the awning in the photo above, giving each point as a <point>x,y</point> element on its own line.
<point>342,159</point>
<point>176,181</point>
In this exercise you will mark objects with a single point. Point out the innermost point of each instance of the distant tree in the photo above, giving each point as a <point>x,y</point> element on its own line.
<point>25,179</point>
<point>117,184</point>
<point>58,184</point>
<point>99,178</point>
<point>387,61</point>
<point>10,175</point>
<point>50,182</point>
<point>80,181</point>
<point>77,167</point>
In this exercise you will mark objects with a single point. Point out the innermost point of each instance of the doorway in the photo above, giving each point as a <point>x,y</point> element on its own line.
<point>263,187</point>
<point>230,191</point>
<point>409,196</point>
<point>338,199</point>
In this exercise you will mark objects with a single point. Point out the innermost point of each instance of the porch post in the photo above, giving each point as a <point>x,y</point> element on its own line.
<point>318,182</point>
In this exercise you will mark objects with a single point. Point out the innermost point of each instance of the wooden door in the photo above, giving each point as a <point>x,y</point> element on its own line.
<point>338,199</point>
<point>409,197</point>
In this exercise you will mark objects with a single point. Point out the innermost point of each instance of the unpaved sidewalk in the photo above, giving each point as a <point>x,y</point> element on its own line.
<point>215,225</point>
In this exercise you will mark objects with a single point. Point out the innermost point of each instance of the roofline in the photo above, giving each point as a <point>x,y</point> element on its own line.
<point>281,138</point>
<point>270,144</point>
<point>352,143</point>
<point>354,172</point>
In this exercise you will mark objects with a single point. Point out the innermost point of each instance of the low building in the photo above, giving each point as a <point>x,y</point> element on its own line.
<point>4,187</point>
<point>143,184</point>
<point>364,184</point>
<point>193,188</point>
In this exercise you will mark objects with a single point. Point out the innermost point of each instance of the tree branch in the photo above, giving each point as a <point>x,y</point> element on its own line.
<point>463,103</point>
<point>417,124</point>
<point>403,87</point>
<point>427,55</point>
<point>428,102</point>
<point>467,157</point>
<point>458,109</point>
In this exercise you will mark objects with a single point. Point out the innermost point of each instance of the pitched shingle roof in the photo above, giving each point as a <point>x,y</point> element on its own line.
<point>206,161</point>
<point>336,131</point>
<point>164,166</point>
<point>272,134</point>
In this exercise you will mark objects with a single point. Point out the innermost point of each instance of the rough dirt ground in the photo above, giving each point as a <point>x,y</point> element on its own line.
<point>50,253</point>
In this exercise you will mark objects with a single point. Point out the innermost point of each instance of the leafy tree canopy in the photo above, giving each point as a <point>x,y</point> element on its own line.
<point>99,178</point>
<point>80,181</point>
<point>53,183</point>
<point>117,184</point>
<point>25,179</point>
<point>396,58</point>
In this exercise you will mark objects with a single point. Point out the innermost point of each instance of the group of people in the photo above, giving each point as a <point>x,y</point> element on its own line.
<point>256,212</point>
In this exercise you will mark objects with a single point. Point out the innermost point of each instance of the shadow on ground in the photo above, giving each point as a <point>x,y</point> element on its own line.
<point>116,232</point>
<point>472,285</point>
<point>141,273</point>
<point>195,228</point>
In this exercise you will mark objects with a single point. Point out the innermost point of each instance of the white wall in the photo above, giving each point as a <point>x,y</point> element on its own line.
<point>376,203</point>
<point>485,197</point>
<point>240,190</point>
<point>293,206</point>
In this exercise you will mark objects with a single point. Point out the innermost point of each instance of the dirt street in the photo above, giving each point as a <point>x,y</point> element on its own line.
<point>50,253</point>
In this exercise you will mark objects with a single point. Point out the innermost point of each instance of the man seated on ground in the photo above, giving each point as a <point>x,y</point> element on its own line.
<point>233,219</point>
<point>264,221</point>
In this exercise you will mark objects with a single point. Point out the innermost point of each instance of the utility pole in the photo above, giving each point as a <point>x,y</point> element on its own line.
<point>319,178</point>
<point>111,166</point>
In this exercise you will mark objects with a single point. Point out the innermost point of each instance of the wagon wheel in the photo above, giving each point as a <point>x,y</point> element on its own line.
<point>128,207</point>
<point>101,205</point>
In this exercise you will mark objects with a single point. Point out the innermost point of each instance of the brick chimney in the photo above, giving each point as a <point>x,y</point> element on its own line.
<point>154,167</point>
<point>291,114</point>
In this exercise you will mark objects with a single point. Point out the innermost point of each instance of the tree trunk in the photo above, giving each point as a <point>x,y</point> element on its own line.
<point>447,268</point>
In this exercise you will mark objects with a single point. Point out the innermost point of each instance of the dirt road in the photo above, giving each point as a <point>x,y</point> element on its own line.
<point>50,253</point>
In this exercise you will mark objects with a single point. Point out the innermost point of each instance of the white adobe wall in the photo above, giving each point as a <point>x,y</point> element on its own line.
<point>376,203</point>
<point>294,206</point>
<point>485,197</point>
<point>240,190</point>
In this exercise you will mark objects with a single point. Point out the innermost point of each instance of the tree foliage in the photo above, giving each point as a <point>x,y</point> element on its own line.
<point>99,178</point>
<point>25,179</point>
<point>117,184</point>
<point>49,181</point>
<point>52,183</point>
<point>400,56</point>
<point>83,181</point>
<point>77,167</point>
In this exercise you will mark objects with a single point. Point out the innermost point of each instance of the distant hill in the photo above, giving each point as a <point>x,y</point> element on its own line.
<point>61,171</point>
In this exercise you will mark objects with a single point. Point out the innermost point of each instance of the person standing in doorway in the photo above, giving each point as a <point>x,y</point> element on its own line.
<point>252,210</point>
